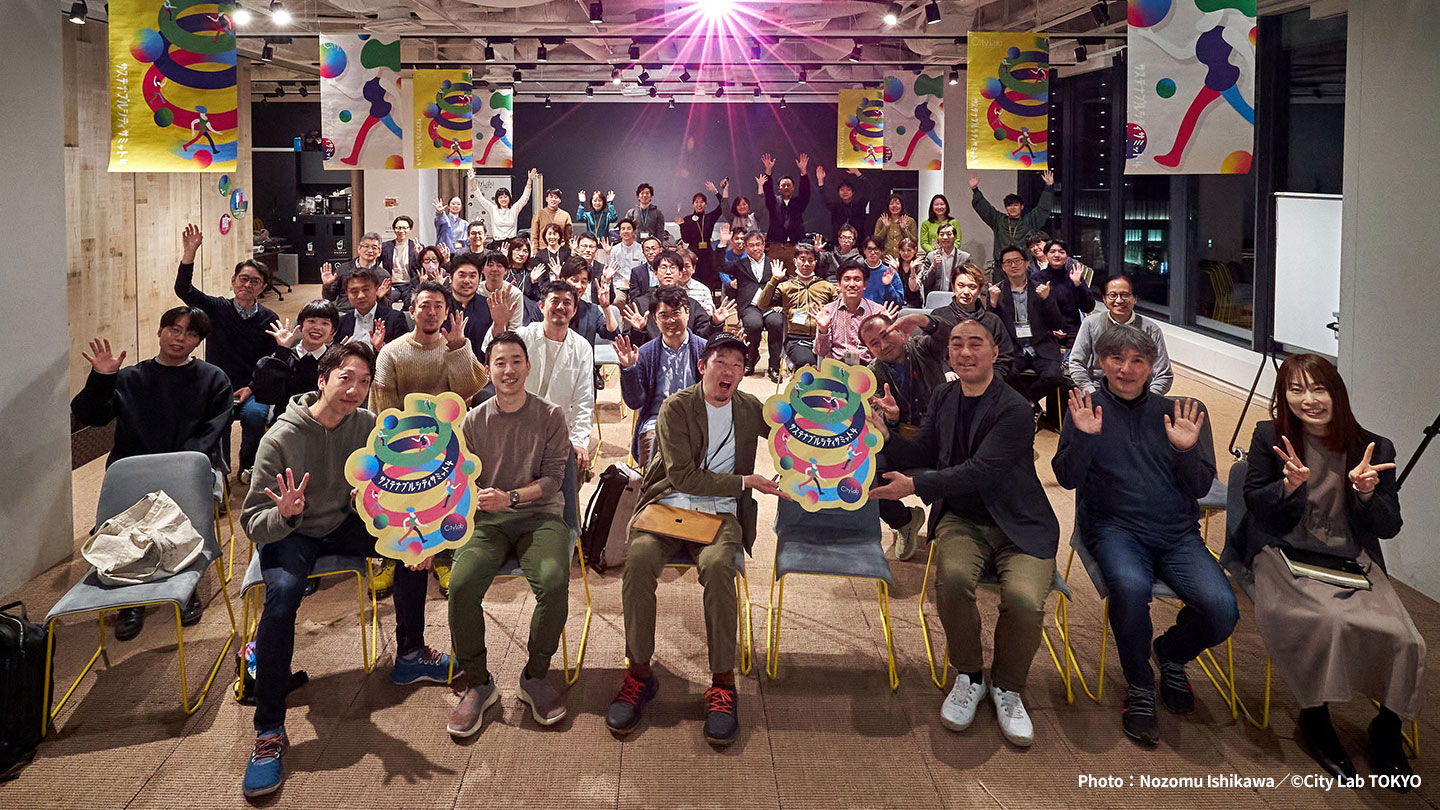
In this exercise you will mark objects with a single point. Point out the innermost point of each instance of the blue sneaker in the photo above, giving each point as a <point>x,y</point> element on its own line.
<point>424,664</point>
<point>265,772</point>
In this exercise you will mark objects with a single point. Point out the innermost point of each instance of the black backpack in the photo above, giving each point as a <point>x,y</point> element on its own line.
<point>604,538</point>
<point>22,690</point>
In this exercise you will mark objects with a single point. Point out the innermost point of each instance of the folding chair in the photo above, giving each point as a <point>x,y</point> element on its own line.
<point>936,299</point>
<point>833,542</point>
<point>682,560</point>
<point>221,494</point>
<point>328,565</point>
<point>1216,500</point>
<point>605,356</point>
<point>991,578</point>
<point>187,479</point>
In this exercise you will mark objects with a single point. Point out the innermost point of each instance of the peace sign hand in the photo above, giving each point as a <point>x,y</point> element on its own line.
<point>1295,471</point>
<point>100,358</point>
<point>285,335</point>
<point>1366,476</point>
<point>1184,429</point>
<point>291,499</point>
<point>886,405</point>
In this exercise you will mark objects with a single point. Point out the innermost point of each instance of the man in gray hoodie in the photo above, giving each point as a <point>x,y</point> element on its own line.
<point>306,513</point>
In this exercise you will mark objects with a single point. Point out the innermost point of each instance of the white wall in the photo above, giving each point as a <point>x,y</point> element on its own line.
<point>1388,292</point>
<point>414,195</point>
<point>34,389</point>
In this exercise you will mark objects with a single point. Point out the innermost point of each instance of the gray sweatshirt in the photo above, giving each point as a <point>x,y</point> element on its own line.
<point>304,445</point>
<point>1084,367</point>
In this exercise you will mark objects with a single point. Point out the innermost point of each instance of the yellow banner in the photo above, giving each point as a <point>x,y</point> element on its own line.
<point>443,116</point>
<point>172,86</point>
<point>860,141</point>
<point>1007,111</point>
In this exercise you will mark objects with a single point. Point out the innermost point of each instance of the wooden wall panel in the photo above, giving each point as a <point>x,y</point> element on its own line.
<point>164,203</point>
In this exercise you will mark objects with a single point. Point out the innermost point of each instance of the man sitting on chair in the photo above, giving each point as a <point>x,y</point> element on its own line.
<point>976,440</point>
<point>705,442</point>
<point>307,512</point>
<point>524,445</point>
<point>1139,463</point>
<point>651,373</point>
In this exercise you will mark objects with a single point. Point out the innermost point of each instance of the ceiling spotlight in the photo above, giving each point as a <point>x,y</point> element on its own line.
<point>892,14</point>
<point>547,102</point>
<point>720,91</point>
<point>279,91</point>
<point>489,53</point>
<point>304,91</point>
<point>782,102</point>
<point>932,12</point>
<point>757,91</point>
<point>241,16</point>
<point>854,55</point>
<point>267,53</point>
<point>685,74</point>
<point>1080,54</point>
<point>754,50</point>
<point>541,55</point>
<point>1101,13</point>
<point>671,105</point>
<point>644,76</point>
<point>597,13</point>
<point>634,51</point>
<point>78,12</point>
<point>716,8</point>
<point>515,76</point>
<point>954,76</point>
<point>654,92</point>
<point>278,13</point>
<point>802,76</point>
<point>589,90</point>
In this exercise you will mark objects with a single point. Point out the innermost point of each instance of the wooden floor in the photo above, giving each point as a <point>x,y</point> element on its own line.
<point>827,733</point>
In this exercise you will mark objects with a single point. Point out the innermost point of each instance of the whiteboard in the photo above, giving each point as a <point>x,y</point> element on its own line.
<point>1307,271</point>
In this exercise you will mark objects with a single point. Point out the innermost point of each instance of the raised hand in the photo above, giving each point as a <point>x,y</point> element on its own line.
<point>1184,429</point>
<point>573,243</point>
<point>821,315</point>
<point>439,206</point>
<point>581,196</point>
<point>536,272</point>
<point>724,312</point>
<point>995,295</point>
<point>610,196</point>
<point>892,265</point>
<point>190,240</point>
<point>1077,274</point>
<point>458,322</point>
<point>635,317</point>
<point>327,273</point>
<point>501,309</point>
<point>530,178</point>
<point>855,172</point>
<point>1043,290</point>
<point>1295,471</point>
<point>383,293</point>
<point>290,500</point>
<point>1366,476</point>
<point>819,243</point>
<point>626,351</point>
<point>760,183</point>
<point>100,358</point>
<point>1086,419</point>
<point>285,335</point>
<point>1048,176</point>
<point>606,244</point>
<point>377,335</point>
<point>802,163</point>
<point>777,270</point>
<point>710,187</point>
<point>886,405</point>
<point>890,310</point>
<point>974,180</point>
<point>820,175</point>
<point>769,163</point>
<point>602,293</point>
<point>724,184</point>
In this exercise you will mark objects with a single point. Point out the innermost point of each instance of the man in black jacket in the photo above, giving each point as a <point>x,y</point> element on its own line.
<point>369,318</point>
<point>848,207</point>
<point>1031,318</point>
<point>751,272</point>
<point>786,208</point>
<point>975,444</point>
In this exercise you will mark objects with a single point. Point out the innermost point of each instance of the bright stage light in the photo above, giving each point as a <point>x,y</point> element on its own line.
<point>241,16</point>
<point>716,8</point>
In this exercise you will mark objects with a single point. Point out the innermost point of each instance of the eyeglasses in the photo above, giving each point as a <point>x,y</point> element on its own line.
<point>1012,262</point>
<point>1119,296</point>
<point>252,281</point>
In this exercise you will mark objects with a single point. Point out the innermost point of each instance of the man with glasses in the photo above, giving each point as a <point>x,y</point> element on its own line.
<point>240,336</point>
<point>1028,311</point>
<point>335,277</point>
<point>401,258</point>
<point>1084,365</point>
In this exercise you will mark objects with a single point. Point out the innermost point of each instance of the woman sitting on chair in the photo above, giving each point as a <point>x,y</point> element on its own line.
<point>1319,483</point>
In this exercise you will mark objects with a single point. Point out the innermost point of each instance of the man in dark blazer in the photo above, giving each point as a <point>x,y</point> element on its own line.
<point>408,262</point>
<point>751,272</point>
<point>990,512</point>
<point>1032,327</point>
<point>704,460</point>
<point>378,322</point>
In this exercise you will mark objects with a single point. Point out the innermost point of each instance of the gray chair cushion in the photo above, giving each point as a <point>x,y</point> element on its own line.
<point>605,354</point>
<point>831,541</point>
<point>1216,497</point>
<point>938,298</point>
<point>325,564</point>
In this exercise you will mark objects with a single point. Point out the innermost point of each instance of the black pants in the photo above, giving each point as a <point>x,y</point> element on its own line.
<point>285,565</point>
<point>800,351</point>
<point>1048,376</point>
<point>773,322</point>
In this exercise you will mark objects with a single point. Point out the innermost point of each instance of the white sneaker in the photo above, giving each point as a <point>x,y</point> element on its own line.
<point>1014,720</point>
<point>958,710</point>
<point>907,538</point>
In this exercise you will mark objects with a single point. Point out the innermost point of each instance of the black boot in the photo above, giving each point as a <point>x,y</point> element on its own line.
<point>1322,743</point>
<point>129,622</point>
<point>191,613</point>
<point>1387,748</point>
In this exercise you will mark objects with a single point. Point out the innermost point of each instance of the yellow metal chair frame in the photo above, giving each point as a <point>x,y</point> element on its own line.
<point>100,651</point>
<point>742,591</point>
<point>773,615</point>
<point>369,641</point>
<point>230,519</point>
<point>942,677</point>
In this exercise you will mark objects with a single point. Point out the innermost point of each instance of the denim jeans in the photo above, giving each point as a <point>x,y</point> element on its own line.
<point>253,418</point>
<point>1129,564</point>
<point>285,565</point>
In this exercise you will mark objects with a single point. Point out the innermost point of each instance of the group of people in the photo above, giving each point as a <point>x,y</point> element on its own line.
<point>956,402</point>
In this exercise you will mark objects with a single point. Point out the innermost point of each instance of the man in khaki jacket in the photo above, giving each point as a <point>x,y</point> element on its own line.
<point>704,460</point>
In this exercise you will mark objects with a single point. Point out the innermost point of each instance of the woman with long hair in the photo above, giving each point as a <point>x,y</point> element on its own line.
<point>696,229</point>
<point>894,225</point>
<point>517,261</point>
<point>908,264</point>
<point>1321,491</point>
<point>930,228</point>
<point>504,216</point>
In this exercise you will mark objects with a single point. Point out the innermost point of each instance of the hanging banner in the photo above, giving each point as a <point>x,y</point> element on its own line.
<point>915,115</point>
<point>414,479</point>
<point>494,122</point>
<point>360,110</point>
<point>442,119</point>
<point>822,442</point>
<point>173,101</point>
<point>861,138</point>
<point>1007,113</point>
<point>1191,87</point>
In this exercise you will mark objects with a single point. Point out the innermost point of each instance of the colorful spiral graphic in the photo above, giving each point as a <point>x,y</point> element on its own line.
<point>190,84</point>
<point>1020,104</point>
<point>822,443</point>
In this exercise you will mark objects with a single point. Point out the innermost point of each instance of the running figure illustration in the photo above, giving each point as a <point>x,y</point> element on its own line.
<point>200,128</point>
<point>412,524</point>
<point>812,474</point>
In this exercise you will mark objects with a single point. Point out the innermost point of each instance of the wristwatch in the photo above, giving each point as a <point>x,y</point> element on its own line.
<point>514,498</point>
